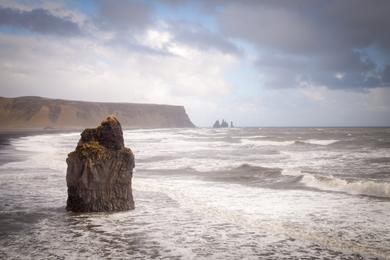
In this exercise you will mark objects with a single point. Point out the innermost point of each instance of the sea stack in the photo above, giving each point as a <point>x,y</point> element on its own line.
<point>216,124</point>
<point>100,170</point>
<point>223,124</point>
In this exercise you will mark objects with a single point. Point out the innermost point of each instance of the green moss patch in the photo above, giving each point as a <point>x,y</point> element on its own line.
<point>91,150</point>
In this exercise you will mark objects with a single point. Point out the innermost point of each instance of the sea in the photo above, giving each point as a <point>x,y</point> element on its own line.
<point>203,193</point>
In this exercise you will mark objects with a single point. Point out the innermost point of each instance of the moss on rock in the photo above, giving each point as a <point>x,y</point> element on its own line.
<point>91,150</point>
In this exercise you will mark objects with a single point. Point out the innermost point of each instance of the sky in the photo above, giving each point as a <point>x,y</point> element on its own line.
<point>257,63</point>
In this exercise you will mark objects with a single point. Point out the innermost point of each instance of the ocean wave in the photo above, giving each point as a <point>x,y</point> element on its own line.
<point>69,134</point>
<point>250,136</point>
<point>249,174</point>
<point>332,183</point>
<point>250,141</point>
<point>270,214</point>
<point>266,142</point>
<point>316,142</point>
<point>356,187</point>
<point>197,164</point>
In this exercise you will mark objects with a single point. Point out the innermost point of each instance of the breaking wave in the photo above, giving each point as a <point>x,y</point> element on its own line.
<point>316,142</point>
<point>250,141</point>
<point>266,142</point>
<point>355,187</point>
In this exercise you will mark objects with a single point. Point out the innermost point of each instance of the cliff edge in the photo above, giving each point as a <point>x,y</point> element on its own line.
<point>38,112</point>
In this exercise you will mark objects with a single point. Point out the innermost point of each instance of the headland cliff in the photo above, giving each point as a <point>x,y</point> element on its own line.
<point>44,113</point>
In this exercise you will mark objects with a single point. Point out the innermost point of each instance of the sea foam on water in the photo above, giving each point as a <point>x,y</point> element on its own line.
<point>202,193</point>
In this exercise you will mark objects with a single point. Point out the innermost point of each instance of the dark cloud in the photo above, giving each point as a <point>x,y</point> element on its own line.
<point>386,74</point>
<point>306,26</point>
<point>38,20</point>
<point>201,38</point>
<point>318,39</point>
<point>344,70</point>
<point>123,15</point>
<point>129,44</point>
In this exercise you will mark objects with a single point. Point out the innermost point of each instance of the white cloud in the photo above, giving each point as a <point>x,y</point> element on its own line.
<point>339,75</point>
<point>160,63</point>
<point>155,39</point>
<point>312,92</point>
<point>84,69</point>
<point>378,99</point>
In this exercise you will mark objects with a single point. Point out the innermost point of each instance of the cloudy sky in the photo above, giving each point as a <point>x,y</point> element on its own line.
<point>258,63</point>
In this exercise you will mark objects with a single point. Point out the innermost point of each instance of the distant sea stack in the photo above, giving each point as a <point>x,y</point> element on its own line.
<point>40,113</point>
<point>223,124</point>
<point>100,170</point>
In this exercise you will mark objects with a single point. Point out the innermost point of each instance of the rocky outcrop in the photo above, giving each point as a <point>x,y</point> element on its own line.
<point>100,170</point>
<point>38,112</point>
<point>223,124</point>
<point>216,124</point>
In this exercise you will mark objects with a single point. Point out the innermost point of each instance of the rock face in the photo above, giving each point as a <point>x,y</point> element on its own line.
<point>39,113</point>
<point>100,170</point>
<point>223,124</point>
<point>216,124</point>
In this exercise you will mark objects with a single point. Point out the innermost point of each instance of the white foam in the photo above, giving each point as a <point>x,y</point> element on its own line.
<point>357,187</point>
<point>247,140</point>
<point>147,135</point>
<point>318,218</point>
<point>250,136</point>
<point>291,172</point>
<point>73,134</point>
<point>43,151</point>
<point>331,183</point>
<point>266,142</point>
<point>320,142</point>
<point>270,211</point>
<point>198,164</point>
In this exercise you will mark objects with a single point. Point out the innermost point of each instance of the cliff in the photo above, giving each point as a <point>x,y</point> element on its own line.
<point>38,112</point>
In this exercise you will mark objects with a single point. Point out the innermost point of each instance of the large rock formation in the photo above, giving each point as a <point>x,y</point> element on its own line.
<point>100,170</point>
<point>223,124</point>
<point>37,112</point>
